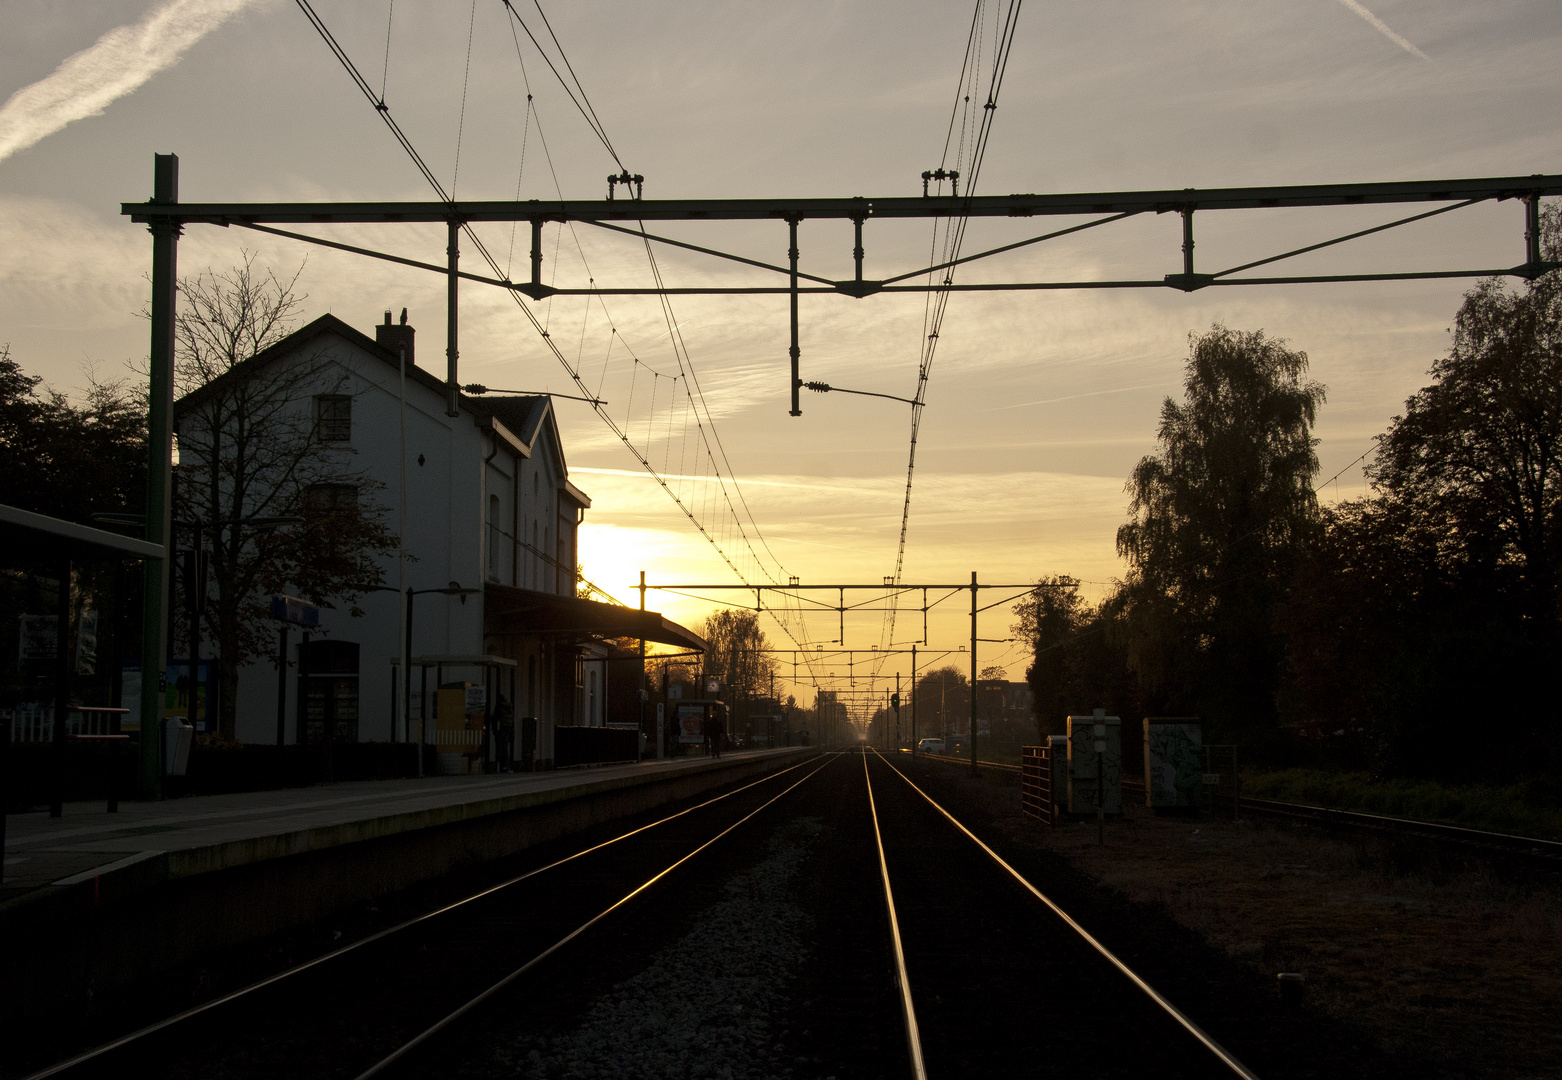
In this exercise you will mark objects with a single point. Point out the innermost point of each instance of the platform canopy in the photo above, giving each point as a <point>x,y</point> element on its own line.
<point>41,534</point>
<point>508,610</point>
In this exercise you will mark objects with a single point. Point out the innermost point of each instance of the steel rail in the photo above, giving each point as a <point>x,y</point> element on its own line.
<point>907,1008</point>
<point>270,980</point>
<point>996,766</point>
<point>1508,843</point>
<point>1224,1055</point>
<point>450,1018</point>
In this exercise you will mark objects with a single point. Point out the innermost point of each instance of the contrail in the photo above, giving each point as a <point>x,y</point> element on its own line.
<point>1382,27</point>
<point>115,65</point>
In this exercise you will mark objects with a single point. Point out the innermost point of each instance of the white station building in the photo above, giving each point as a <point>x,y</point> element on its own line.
<point>491,522</point>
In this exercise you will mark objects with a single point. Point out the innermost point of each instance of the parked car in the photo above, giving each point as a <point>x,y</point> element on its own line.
<point>931,746</point>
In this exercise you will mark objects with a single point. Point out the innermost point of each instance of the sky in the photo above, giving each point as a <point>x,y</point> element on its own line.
<point>1038,404</point>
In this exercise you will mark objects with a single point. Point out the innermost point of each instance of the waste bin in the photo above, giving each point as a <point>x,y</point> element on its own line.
<point>178,735</point>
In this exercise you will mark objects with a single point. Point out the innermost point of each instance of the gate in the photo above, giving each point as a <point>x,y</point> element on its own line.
<point>1036,783</point>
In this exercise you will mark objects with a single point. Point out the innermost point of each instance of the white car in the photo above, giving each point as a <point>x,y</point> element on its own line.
<point>931,746</point>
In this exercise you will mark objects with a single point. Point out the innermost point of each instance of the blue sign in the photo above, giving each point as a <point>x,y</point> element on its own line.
<point>293,610</point>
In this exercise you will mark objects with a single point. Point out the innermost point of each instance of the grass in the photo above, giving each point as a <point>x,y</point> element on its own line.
<point>1529,808</point>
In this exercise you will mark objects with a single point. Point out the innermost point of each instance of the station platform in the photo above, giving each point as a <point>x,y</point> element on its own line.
<point>87,888</point>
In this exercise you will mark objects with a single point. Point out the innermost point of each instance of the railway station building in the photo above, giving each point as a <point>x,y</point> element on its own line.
<point>491,541</point>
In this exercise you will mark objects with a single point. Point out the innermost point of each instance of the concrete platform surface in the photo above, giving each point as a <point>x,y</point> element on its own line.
<point>199,834</point>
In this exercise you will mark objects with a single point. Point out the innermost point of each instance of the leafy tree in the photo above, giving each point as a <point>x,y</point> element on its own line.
<point>943,701</point>
<point>66,460</point>
<point>1218,516</point>
<point>249,448</point>
<point>829,718</point>
<point>1397,641</point>
<point>737,656</point>
<point>1078,657</point>
<point>1051,618</point>
<point>1483,443</point>
<point>1422,606</point>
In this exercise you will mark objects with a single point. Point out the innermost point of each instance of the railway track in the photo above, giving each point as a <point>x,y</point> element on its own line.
<point>366,1009</point>
<point>1526,848</point>
<point>1522,848</point>
<point>1023,958</point>
<point>923,953</point>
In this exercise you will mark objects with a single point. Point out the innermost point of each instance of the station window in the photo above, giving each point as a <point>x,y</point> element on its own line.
<point>331,498</point>
<point>333,417</point>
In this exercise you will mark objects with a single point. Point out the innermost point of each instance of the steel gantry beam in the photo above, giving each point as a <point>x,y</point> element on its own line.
<point>1103,208</point>
<point>1022,205</point>
<point>1107,207</point>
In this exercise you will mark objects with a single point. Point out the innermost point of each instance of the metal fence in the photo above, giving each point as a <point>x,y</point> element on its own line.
<point>33,722</point>
<point>1222,782</point>
<point>1037,792</point>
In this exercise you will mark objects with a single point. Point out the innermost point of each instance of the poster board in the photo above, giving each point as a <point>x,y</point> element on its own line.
<point>691,721</point>
<point>178,691</point>
<point>1083,763</point>
<point>1173,763</point>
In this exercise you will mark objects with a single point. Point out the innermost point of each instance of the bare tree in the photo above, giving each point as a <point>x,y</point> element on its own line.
<point>251,447</point>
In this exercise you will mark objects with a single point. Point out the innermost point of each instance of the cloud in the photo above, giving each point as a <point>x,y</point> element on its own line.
<point>118,63</point>
<point>1382,27</point>
<point>1076,397</point>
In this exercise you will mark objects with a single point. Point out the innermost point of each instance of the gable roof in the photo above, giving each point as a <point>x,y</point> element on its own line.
<point>525,416</point>
<point>295,343</point>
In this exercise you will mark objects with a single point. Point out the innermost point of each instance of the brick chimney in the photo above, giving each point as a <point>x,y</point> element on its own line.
<point>393,338</point>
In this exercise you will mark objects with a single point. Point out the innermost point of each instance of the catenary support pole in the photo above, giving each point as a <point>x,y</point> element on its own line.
<point>62,669</point>
<point>452,297</point>
<point>1187,241</point>
<point>1532,230</point>
<point>795,351</point>
<point>159,443</point>
<point>282,685</point>
<point>195,607</point>
<point>857,251</point>
<point>913,699</point>
<point>973,673</point>
<point>407,675</point>
<point>1098,735</point>
<point>404,714</point>
<point>643,693</point>
<point>536,291</point>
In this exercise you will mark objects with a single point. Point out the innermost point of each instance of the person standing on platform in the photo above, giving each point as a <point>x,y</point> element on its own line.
<point>504,735</point>
<point>707,729</point>
<point>718,729</point>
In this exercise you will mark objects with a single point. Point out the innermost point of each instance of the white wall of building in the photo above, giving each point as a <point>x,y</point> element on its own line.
<point>464,515</point>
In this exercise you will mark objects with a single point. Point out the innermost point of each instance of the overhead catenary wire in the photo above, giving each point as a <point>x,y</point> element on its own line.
<point>719,537</point>
<point>581,103</point>
<point>390,18</point>
<point>954,232</point>
<point>466,78</point>
<point>686,370</point>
